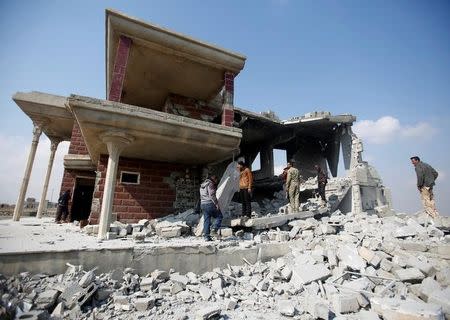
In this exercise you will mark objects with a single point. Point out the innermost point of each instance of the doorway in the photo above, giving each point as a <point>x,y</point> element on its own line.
<point>82,198</point>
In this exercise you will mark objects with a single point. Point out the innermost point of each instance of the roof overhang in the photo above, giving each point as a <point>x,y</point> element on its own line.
<point>47,110</point>
<point>156,135</point>
<point>162,62</point>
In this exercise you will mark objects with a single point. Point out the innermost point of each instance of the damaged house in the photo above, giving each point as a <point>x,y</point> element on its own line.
<point>169,116</point>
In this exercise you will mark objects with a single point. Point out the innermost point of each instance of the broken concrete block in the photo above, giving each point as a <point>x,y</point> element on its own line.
<point>143,304</point>
<point>182,280</point>
<point>345,303</point>
<point>427,287</point>
<point>348,256</point>
<point>102,294</point>
<point>111,235</point>
<point>307,273</point>
<point>230,304</point>
<point>34,315</point>
<point>286,273</point>
<point>327,229</point>
<point>412,275</point>
<point>443,276</point>
<point>169,232</point>
<point>294,231</point>
<point>404,232</point>
<point>160,275</point>
<point>386,265</point>
<point>207,313</point>
<point>286,307</point>
<point>217,284</point>
<point>46,299</point>
<point>422,265</point>
<point>147,284</point>
<point>176,287</point>
<point>205,292</point>
<point>332,259</point>
<point>441,298</point>
<point>121,299</point>
<point>316,307</point>
<point>165,288</point>
<point>86,279</point>
<point>397,309</point>
<point>58,312</point>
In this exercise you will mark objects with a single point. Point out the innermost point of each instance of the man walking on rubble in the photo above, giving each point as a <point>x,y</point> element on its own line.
<point>210,207</point>
<point>62,212</point>
<point>245,188</point>
<point>426,176</point>
<point>322,180</point>
<point>293,186</point>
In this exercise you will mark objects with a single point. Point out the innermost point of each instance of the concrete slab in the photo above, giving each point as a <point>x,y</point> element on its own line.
<point>397,309</point>
<point>275,220</point>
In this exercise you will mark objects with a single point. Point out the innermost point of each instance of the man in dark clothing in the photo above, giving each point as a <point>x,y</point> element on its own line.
<point>426,177</point>
<point>210,206</point>
<point>322,180</point>
<point>62,211</point>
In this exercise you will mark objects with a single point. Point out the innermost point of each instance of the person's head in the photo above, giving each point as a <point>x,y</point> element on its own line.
<point>317,167</point>
<point>214,178</point>
<point>67,191</point>
<point>241,165</point>
<point>290,164</point>
<point>415,160</point>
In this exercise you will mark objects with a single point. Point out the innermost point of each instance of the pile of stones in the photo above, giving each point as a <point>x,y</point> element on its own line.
<point>343,266</point>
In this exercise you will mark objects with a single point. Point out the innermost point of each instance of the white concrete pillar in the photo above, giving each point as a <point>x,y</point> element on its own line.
<point>115,142</point>
<point>53,146</point>
<point>37,130</point>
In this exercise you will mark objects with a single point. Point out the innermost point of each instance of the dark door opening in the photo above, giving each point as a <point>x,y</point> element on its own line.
<point>82,199</point>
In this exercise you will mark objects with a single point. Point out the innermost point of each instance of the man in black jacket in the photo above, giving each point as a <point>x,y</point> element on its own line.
<point>62,212</point>
<point>426,176</point>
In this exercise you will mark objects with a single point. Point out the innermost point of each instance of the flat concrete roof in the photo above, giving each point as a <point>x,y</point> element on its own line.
<point>162,61</point>
<point>49,110</point>
<point>157,135</point>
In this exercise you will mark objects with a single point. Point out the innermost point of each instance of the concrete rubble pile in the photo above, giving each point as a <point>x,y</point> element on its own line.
<point>343,266</point>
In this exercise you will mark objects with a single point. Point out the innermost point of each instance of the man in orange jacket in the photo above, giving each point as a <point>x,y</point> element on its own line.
<point>245,188</point>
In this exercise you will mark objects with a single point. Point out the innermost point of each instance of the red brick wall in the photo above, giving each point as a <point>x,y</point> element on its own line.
<point>152,198</point>
<point>77,144</point>
<point>120,67</point>
<point>191,108</point>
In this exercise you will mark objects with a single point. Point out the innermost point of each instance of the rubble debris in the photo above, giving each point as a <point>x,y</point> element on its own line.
<point>363,272</point>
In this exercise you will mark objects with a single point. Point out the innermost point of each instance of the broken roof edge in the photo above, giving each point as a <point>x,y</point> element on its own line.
<point>187,45</point>
<point>311,116</point>
<point>140,112</point>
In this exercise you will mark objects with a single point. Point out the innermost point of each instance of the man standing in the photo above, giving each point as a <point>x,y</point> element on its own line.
<point>210,206</point>
<point>245,188</point>
<point>293,186</point>
<point>62,211</point>
<point>426,177</point>
<point>322,180</point>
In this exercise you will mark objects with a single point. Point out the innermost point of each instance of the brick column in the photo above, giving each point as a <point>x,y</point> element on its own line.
<point>228,109</point>
<point>120,68</point>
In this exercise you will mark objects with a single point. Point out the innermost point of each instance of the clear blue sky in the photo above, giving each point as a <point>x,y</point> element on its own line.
<point>373,59</point>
